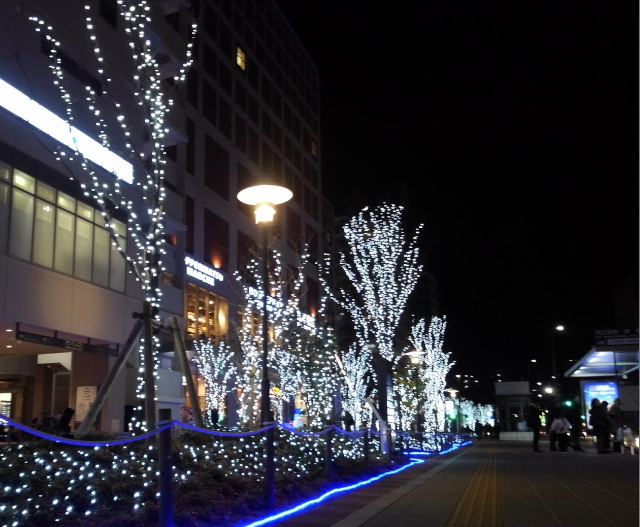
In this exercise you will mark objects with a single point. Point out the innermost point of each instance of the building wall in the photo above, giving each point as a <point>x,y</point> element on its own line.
<point>249,112</point>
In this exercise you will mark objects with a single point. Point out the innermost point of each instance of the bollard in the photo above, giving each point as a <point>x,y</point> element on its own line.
<point>165,469</point>
<point>270,467</point>
<point>328,458</point>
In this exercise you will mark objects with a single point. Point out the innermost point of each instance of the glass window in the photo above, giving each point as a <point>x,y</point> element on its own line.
<point>117,270</point>
<point>85,211</point>
<point>24,181</point>
<point>101,251</point>
<point>45,192</point>
<point>5,173</point>
<point>43,235</point>
<point>119,228</point>
<point>207,314</point>
<point>241,58</point>
<point>65,234</point>
<point>66,202</point>
<point>21,233</point>
<point>5,192</point>
<point>83,249</point>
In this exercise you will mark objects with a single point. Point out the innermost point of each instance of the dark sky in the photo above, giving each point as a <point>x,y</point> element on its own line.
<point>511,130</point>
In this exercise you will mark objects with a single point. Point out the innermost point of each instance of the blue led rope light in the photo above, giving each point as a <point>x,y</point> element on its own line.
<point>331,493</point>
<point>77,442</point>
<point>226,434</point>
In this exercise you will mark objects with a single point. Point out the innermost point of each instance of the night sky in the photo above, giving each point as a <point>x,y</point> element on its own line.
<point>511,130</point>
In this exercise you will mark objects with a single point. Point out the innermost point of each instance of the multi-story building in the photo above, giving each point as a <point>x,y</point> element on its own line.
<point>247,113</point>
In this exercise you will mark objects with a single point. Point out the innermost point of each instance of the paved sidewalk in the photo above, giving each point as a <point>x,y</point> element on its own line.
<point>493,484</point>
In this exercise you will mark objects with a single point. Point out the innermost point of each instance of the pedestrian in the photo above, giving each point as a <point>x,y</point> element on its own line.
<point>561,427</point>
<point>556,411</point>
<point>607,437</point>
<point>599,421</point>
<point>615,416</point>
<point>535,423</point>
<point>574,416</point>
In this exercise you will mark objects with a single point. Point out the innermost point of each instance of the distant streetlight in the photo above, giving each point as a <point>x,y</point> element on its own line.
<point>264,198</point>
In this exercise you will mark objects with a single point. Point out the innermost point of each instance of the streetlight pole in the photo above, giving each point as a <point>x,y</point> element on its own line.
<point>264,198</point>
<point>554,371</point>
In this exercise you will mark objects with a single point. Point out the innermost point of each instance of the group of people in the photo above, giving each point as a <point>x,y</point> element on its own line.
<point>565,429</point>
<point>605,421</point>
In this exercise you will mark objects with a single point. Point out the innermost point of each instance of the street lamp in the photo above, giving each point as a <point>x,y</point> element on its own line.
<point>264,198</point>
<point>414,358</point>
<point>553,357</point>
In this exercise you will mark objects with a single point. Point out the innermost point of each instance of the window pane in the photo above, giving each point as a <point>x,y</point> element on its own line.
<point>118,268</point>
<point>46,192</point>
<point>43,233</point>
<point>5,173</point>
<point>4,214</point>
<point>65,229</point>
<point>84,249</point>
<point>21,225</point>
<point>25,182</point>
<point>85,211</point>
<point>119,228</point>
<point>66,202</point>
<point>100,257</point>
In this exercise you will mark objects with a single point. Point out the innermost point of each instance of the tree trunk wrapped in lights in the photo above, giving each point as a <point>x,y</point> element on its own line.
<point>382,267</point>
<point>357,370</point>
<point>216,365</point>
<point>131,98</point>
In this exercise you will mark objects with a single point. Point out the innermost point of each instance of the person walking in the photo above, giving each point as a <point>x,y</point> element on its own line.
<point>561,428</point>
<point>599,421</point>
<point>607,437</point>
<point>615,416</point>
<point>535,423</point>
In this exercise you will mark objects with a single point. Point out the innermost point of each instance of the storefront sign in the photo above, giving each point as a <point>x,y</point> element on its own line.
<point>65,343</point>
<point>48,122</point>
<point>202,272</point>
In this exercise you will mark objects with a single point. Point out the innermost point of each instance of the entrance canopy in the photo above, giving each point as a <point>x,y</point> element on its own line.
<point>607,361</point>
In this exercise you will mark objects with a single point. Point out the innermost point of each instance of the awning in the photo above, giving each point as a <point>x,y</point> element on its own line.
<point>607,361</point>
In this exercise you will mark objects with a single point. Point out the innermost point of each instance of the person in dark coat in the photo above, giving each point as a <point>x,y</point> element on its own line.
<point>599,421</point>
<point>535,423</point>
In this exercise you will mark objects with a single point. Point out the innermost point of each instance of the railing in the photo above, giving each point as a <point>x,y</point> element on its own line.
<point>154,467</point>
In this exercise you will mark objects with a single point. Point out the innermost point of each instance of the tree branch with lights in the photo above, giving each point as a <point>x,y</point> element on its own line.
<point>136,101</point>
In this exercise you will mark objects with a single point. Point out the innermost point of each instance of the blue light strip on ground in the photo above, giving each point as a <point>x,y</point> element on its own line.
<point>329,494</point>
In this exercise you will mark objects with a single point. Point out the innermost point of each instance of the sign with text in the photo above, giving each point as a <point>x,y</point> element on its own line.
<point>85,397</point>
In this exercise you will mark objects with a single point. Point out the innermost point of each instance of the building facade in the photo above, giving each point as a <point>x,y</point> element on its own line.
<point>247,113</point>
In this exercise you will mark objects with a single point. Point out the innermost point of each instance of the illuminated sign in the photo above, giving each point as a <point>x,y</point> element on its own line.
<point>204,273</point>
<point>602,390</point>
<point>48,122</point>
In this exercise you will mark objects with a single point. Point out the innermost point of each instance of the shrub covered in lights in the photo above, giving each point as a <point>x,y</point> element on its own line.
<point>217,479</point>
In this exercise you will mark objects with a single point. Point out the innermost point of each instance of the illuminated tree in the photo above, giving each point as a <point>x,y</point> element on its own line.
<point>356,367</point>
<point>423,387</point>
<point>298,351</point>
<point>129,110</point>
<point>216,365</point>
<point>382,267</point>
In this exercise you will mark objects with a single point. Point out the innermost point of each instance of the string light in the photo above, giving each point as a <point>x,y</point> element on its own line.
<point>145,212</point>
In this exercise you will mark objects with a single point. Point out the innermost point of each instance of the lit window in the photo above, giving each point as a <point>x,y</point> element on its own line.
<point>314,149</point>
<point>241,58</point>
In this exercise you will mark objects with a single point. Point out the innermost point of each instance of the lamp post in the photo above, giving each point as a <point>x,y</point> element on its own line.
<point>414,357</point>
<point>264,198</point>
<point>554,372</point>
